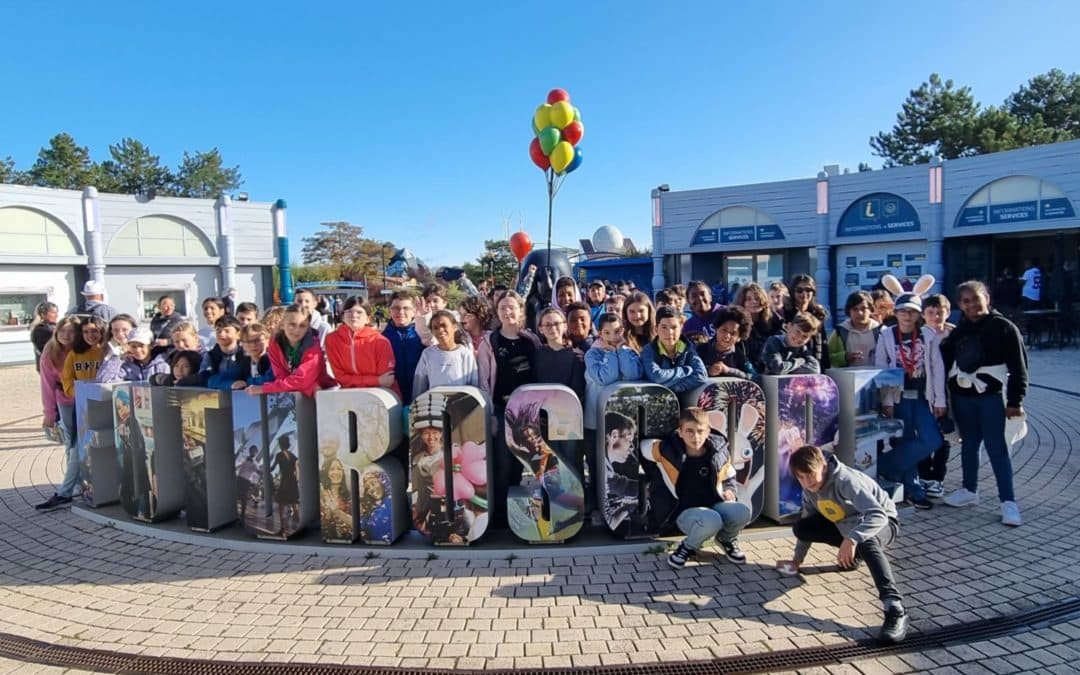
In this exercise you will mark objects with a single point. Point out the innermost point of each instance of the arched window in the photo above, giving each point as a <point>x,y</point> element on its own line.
<point>1015,199</point>
<point>160,236</point>
<point>27,231</point>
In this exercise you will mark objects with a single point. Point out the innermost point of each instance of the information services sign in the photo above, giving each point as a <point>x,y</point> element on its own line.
<point>737,235</point>
<point>878,213</point>
<point>1016,212</point>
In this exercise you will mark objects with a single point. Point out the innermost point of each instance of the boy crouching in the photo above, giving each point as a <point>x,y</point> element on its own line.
<point>846,508</point>
<point>698,489</point>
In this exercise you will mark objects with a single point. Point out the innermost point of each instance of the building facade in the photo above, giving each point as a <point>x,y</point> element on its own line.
<point>53,241</point>
<point>978,217</point>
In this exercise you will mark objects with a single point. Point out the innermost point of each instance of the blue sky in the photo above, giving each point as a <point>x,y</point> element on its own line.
<point>412,119</point>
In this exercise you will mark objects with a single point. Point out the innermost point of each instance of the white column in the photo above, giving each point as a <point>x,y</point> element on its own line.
<point>95,254</point>
<point>823,274</point>
<point>226,256</point>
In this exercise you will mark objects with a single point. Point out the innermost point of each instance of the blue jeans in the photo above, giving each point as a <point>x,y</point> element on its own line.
<point>921,438</point>
<point>980,419</point>
<point>72,476</point>
<point>700,524</point>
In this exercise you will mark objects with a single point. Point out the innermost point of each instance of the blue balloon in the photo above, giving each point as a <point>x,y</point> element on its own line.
<point>575,162</point>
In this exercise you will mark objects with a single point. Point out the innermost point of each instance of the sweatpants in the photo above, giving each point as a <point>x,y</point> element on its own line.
<point>819,529</point>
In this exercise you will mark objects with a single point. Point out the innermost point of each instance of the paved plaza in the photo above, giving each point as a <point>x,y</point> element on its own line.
<point>69,581</point>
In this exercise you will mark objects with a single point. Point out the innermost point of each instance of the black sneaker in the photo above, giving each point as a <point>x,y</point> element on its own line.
<point>680,556</point>
<point>922,503</point>
<point>732,551</point>
<point>895,628</point>
<point>54,502</point>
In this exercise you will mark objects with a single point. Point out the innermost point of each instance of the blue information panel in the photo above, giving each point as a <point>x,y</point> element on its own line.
<point>731,235</point>
<point>878,213</point>
<point>1016,212</point>
<point>1056,208</point>
<point>737,235</point>
<point>705,237</point>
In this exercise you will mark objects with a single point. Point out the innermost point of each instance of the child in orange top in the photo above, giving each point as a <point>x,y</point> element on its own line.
<point>359,354</point>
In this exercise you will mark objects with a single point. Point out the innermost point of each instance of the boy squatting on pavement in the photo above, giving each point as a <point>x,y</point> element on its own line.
<point>845,508</point>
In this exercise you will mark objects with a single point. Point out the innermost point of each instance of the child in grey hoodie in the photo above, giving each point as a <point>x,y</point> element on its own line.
<point>845,508</point>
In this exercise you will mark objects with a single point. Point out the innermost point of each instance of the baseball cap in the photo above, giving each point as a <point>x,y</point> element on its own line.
<point>141,335</point>
<point>93,287</point>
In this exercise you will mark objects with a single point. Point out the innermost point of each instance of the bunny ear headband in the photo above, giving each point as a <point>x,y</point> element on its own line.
<point>908,299</point>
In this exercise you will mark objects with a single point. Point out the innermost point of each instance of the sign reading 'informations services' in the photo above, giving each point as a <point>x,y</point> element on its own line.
<point>737,235</point>
<point>1016,212</point>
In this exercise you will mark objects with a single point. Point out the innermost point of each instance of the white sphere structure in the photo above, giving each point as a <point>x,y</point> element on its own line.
<point>607,239</point>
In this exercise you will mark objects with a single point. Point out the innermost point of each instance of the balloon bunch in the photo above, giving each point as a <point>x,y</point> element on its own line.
<point>558,129</point>
<point>555,150</point>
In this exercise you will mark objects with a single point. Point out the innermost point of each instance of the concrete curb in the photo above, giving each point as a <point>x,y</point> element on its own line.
<point>406,551</point>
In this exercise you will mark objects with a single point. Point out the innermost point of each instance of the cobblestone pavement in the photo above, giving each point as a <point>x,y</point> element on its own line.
<point>66,580</point>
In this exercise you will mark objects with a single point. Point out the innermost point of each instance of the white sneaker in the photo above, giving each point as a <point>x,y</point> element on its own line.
<point>962,497</point>
<point>1010,514</point>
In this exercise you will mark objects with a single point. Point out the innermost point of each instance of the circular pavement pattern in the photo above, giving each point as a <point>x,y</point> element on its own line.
<point>69,581</point>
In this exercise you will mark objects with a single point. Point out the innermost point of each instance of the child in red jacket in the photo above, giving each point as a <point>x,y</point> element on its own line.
<point>359,355</point>
<point>295,357</point>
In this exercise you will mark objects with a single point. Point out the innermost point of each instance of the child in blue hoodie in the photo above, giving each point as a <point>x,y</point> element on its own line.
<point>221,366</point>
<point>255,361</point>
<point>669,359</point>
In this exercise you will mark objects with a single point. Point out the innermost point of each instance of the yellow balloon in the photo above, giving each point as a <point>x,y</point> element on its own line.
<point>561,156</point>
<point>542,116</point>
<point>562,113</point>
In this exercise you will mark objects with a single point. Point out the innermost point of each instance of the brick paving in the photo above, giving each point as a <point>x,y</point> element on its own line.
<point>66,580</point>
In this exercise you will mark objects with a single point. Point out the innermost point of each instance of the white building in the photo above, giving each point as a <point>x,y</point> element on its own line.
<point>53,241</point>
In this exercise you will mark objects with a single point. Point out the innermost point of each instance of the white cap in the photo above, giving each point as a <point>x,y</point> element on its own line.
<point>93,287</point>
<point>141,335</point>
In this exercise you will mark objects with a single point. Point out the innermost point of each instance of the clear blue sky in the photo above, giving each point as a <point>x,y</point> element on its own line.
<point>412,119</point>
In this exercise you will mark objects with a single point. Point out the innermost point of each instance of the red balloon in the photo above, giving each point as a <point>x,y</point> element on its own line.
<point>536,154</point>
<point>556,95</point>
<point>573,132</point>
<point>520,244</point>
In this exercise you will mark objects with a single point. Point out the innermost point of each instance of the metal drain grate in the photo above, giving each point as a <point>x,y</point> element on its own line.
<point>35,651</point>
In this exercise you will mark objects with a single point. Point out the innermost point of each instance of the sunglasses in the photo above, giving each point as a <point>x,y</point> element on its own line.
<point>803,289</point>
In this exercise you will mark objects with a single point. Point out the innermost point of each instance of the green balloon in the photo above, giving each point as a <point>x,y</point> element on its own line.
<point>577,114</point>
<point>549,138</point>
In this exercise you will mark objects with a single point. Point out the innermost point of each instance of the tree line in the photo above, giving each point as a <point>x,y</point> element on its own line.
<point>131,169</point>
<point>941,118</point>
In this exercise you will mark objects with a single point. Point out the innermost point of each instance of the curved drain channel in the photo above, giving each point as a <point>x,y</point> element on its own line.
<point>34,651</point>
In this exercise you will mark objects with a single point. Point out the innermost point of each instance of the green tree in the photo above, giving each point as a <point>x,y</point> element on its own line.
<point>935,119</point>
<point>368,262</point>
<point>1051,100</point>
<point>133,169</point>
<point>940,119</point>
<point>337,243</point>
<point>8,172</point>
<point>497,257</point>
<point>203,174</point>
<point>63,164</point>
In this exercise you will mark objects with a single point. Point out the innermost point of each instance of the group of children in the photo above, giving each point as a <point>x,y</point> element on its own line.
<point>584,345</point>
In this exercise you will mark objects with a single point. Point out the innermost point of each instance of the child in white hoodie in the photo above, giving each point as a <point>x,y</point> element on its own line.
<point>921,401</point>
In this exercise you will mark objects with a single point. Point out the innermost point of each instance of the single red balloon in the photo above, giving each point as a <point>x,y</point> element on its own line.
<point>536,154</point>
<point>520,244</point>
<point>573,132</point>
<point>556,95</point>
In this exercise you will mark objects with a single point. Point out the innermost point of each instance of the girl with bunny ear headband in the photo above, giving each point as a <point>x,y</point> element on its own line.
<point>908,299</point>
<point>914,348</point>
